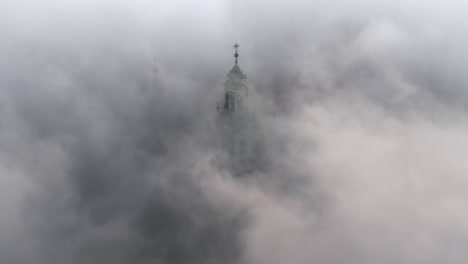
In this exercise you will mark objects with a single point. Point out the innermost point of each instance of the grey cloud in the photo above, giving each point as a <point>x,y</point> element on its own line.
<point>107,154</point>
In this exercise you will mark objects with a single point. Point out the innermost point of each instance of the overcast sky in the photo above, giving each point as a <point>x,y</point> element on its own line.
<point>107,120</point>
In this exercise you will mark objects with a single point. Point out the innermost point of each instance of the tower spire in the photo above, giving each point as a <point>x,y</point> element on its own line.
<point>236,55</point>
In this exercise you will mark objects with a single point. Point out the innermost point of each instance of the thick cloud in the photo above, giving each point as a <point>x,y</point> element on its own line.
<point>107,120</point>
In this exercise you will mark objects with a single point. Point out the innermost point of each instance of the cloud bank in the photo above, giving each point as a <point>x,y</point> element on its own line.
<point>107,121</point>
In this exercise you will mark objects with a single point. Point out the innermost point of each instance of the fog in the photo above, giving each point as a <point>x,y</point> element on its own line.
<point>107,115</point>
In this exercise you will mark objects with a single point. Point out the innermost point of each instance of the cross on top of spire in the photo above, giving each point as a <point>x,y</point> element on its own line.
<point>236,55</point>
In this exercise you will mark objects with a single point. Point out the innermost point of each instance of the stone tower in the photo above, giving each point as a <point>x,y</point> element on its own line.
<point>235,121</point>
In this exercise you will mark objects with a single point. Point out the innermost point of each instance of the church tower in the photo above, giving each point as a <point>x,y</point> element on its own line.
<point>235,121</point>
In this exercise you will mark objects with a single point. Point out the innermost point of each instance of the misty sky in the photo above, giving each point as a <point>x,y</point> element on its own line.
<point>107,123</point>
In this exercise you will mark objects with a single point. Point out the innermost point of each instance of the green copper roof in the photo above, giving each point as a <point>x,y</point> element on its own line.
<point>236,73</point>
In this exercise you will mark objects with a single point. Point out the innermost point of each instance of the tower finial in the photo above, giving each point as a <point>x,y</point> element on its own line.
<point>236,55</point>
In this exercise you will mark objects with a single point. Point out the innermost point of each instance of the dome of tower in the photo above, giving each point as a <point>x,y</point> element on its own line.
<point>236,73</point>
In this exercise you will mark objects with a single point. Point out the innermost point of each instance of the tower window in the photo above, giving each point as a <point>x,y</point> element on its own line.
<point>226,101</point>
<point>231,102</point>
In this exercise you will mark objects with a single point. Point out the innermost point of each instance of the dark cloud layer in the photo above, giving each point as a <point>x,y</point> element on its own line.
<point>107,119</point>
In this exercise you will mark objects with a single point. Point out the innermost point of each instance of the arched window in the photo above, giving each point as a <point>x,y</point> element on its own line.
<point>231,102</point>
<point>226,101</point>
